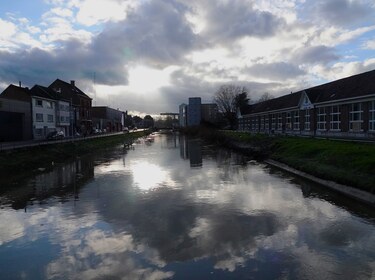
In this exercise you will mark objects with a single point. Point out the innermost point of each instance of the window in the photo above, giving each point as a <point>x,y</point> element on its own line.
<point>273,121</point>
<point>356,117</point>
<point>39,117</point>
<point>372,116</point>
<point>50,118</point>
<point>288,120</point>
<point>307,120</point>
<point>256,122</point>
<point>262,122</point>
<point>321,118</point>
<point>279,121</point>
<point>253,124</point>
<point>267,123</point>
<point>38,103</point>
<point>49,104</point>
<point>247,123</point>
<point>62,118</point>
<point>296,120</point>
<point>335,118</point>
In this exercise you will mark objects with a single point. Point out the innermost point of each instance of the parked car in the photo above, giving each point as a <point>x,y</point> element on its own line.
<point>125,130</point>
<point>55,135</point>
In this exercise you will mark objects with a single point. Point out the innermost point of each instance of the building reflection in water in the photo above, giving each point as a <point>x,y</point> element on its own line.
<point>62,182</point>
<point>191,149</point>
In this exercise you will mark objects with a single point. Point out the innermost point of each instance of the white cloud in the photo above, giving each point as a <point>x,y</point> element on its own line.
<point>282,8</point>
<point>369,45</point>
<point>343,69</point>
<point>58,12</point>
<point>333,36</point>
<point>8,29</point>
<point>91,12</point>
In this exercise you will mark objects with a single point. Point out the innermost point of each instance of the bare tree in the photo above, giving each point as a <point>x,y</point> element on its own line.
<point>265,96</point>
<point>228,99</point>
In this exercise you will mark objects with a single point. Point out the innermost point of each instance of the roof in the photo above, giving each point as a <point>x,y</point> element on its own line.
<point>350,87</point>
<point>354,86</point>
<point>283,102</point>
<point>69,90</point>
<point>16,93</point>
<point>46,92</point>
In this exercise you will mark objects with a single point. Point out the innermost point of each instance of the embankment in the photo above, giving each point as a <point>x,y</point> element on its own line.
<point>346,163</point>
<point>28,159</point>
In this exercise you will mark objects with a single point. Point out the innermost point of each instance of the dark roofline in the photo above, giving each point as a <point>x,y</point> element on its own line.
<point>351,87</point>
<point>79,91</point>
<point>51,93</point>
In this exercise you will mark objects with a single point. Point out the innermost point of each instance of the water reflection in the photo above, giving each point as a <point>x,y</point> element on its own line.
<point>62,182</point>
<point>146,214</point>
<point>191,149</point>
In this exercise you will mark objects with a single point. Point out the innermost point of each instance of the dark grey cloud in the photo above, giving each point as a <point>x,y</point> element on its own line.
<point>278,71</point>
<point>341,12</point>
<point>231,20</point>
<point>315,55</point>
<point>157,33</point>
<point>73,61</point>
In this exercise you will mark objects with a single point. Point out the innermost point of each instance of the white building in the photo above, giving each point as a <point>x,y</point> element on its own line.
<point>43,116</point>
<point>50,112</point>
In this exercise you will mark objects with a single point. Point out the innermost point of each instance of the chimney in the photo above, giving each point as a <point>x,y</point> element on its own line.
<point>20,84</point>
<point>73,83</point>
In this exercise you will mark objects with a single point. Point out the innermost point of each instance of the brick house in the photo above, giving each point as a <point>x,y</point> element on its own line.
<point>343,108</point>
<point>81,119</point>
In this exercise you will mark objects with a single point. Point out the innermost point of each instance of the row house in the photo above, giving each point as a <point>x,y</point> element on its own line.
<point>341,109</point>
<point>51,112</point>
<point>81,118</point>
<point>27,114</point>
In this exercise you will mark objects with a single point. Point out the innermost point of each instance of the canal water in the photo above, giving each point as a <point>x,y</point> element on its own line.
<point>176,208</point>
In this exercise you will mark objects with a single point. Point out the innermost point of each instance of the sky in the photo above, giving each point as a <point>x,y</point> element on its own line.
<point>149,56</point>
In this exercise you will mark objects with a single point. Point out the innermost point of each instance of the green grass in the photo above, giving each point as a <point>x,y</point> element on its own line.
<point>349,163</point>
<point>28,159</point>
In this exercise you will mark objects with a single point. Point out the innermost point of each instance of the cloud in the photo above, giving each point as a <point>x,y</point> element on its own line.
<point>227,21</point>
<point>157,34</point>
<point>342,12</point>
<point>369,45</point>
<point>91,12</point>
<point>270,46</point>
<point>315,55</point>
<point>278,71</point>
<point>343,69</point>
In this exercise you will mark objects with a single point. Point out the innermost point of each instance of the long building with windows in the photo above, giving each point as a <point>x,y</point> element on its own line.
<point>343,108</point>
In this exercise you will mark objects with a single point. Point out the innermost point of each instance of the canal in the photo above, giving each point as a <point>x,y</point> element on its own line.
<point>177,208</point>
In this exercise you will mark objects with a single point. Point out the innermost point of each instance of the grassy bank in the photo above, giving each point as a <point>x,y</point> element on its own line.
<point>348,163</point>
<point>28,159</point>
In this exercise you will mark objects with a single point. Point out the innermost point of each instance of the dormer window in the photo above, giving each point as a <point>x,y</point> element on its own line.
<point>38,103</point>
